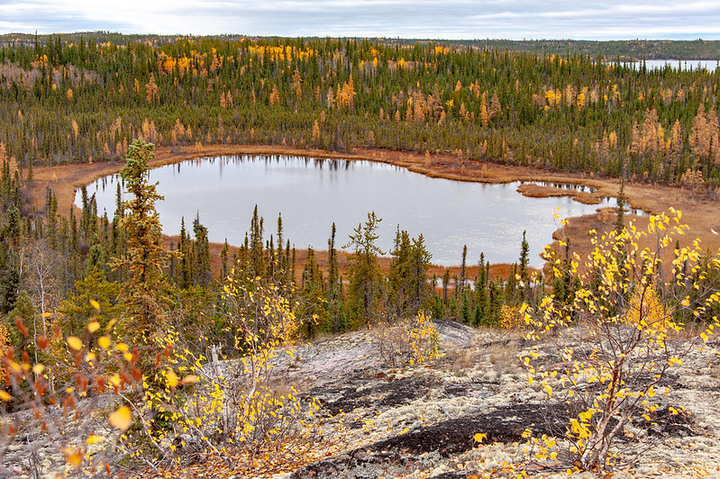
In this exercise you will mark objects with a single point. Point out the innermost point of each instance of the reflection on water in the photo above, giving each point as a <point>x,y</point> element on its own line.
<point>311,194</point>
<point>563,186</point>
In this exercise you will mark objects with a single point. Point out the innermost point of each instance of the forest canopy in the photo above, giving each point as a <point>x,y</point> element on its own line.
<point>567,106</point>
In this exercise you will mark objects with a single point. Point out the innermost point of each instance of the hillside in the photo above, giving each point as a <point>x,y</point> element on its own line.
<point>419,421</point>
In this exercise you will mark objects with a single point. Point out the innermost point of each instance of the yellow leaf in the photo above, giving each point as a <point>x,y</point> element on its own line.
<point>74,343</point>
<point>73,457</point>
<point>93,326</point>
<point>104,342</point>
<point>5,396</point>
<point>38,368</point>
<point>121,418</point>
<point>479,437</point>
<point>95,304</point>
<point>172,379</point>
<point>92,439</point>
<point>586,415</point>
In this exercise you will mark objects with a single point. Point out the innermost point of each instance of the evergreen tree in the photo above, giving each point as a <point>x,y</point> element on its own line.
<point>201,254</point>
<point>142,292</point>
<point>621,203</point>
<point>77,310</point>
<point>366,288</point>
<point>407,282</point>
<point>523,272</point>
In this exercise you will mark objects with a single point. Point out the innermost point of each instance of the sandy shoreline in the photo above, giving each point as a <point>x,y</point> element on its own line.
<point>701,216</point>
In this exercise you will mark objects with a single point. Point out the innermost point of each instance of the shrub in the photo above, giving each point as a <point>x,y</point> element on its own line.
<point>237,412</point>
<point>70,399</point>
<point>410,341</point>
<point>617,338</point>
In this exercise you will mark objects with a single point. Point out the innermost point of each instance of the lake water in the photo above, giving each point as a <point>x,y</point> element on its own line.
<point>312,194</point>
<point>683,65</point>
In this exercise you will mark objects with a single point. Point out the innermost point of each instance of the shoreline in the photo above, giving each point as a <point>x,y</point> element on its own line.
<point>702,216</point>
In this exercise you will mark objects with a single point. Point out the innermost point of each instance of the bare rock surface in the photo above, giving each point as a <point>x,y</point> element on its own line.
<point>421,421</point>
<point>324,361</point>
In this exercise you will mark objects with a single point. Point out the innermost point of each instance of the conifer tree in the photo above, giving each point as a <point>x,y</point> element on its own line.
<point>145,257</point>
<point>366,281</point>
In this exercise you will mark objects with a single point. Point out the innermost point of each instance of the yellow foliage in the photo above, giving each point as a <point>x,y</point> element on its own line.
<point>74,343</point>
<point>121,419</point>
<point>649,315</point>
<point>411,341</point>
<point>73,457</point>
<point>613,330</point>
<point>479,437</point>
<point>512,317</point>
<point>104,342</point>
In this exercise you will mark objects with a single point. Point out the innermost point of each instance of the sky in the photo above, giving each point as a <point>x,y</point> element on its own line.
<point>439,19</point>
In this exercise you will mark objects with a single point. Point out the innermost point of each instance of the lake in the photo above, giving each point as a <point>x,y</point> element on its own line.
<point>311,194</point>
<point>682,65</point>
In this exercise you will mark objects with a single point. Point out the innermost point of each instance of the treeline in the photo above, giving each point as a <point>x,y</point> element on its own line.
<point>84,98</point>
<point>609,50</point>
<point>624,50</point>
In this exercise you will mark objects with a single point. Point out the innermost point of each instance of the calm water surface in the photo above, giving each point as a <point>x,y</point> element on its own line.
<point>312,194</point>
<point>682,65</point>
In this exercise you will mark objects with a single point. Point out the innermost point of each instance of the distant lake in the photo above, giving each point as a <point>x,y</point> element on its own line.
<point>311,194</point>
<point>683,65</point>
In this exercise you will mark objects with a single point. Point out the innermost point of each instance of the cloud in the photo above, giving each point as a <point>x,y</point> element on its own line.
<point>452,19</point>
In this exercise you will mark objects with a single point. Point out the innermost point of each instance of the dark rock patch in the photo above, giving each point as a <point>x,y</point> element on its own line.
<point>455,436</point>
<point>361,464</point>
<point>477,389</point>
<point>664,423</point>
<point>445,439</point>
<point>370,393</point>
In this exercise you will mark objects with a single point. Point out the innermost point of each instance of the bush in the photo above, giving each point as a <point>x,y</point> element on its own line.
<point>410,341</point>
<point>68,398</point>
<point>613,343</point>
<point>237,411</point>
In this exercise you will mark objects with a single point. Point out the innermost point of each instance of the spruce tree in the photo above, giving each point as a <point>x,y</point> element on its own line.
<point>366,281</point>
<point>145,257</point>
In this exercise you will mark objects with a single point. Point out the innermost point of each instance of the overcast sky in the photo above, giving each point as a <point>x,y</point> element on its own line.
<point>451,19</point>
